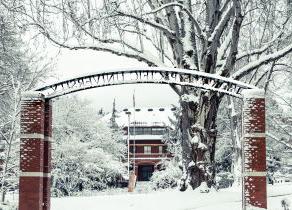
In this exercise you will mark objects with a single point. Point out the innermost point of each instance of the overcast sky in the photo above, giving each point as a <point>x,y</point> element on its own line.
<point>73,63</point>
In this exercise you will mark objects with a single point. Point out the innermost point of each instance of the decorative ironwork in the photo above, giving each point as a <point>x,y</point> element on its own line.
<point>182,77</point>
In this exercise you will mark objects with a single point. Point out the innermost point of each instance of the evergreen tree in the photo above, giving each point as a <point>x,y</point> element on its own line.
<point>113,123</point>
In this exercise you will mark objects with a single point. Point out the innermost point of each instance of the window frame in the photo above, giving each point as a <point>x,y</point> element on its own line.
<point>147,149</point>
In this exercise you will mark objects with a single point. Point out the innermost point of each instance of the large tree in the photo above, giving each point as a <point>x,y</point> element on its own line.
<point>241,39</point>
<point>20,70</point>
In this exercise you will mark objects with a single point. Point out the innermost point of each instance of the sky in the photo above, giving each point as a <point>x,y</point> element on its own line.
<point>73,63</point>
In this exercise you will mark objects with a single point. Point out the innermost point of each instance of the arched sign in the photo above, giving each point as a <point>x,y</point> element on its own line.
<point>181,77</point>
<point>36,128</point>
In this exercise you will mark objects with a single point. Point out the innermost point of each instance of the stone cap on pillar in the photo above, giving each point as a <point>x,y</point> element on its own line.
<point>32,95</point>
<point>253,93</point>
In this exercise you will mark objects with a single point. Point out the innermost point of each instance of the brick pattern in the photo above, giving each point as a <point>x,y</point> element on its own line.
<point>254,154</point>
<point>30,195</point>
<point>31,154</point>
<point>255,192</point>
<point>35,153</point>
<point>32,116</point>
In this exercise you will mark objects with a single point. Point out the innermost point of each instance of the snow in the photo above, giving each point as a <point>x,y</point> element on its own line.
<point>190,98</point>
<point>261,61</point>
<point>220,25</point>
<point>32,95</point>
<point>154,69</point>
<point>144,117</point>
<point>253,93</point>
<point>202,146</point>
<point>195,139</point>
<point>228,199</point>
<point>143,137</point>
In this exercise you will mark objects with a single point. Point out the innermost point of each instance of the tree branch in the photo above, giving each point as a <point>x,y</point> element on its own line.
<point>188,12</point>
<point>259,50</point>
<point>216,34</point>
<point>279,140</point>
<point>262,61</point>
<point>120,52</point>
<point>236,26</point>
<point>158,26</point>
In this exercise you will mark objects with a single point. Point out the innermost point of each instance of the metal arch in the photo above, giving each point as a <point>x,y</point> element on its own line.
<point>155,75</point>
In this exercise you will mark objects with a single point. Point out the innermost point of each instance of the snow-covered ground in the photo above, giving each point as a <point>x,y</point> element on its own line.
<point>228,199</point>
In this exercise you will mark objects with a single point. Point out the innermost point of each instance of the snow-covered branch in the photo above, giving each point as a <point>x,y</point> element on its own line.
<point>224,47</point>
<point>262,61</point>
<point>158,26</point>
<point>282,141</point>
<point>216,34</point>
<point>252,52</point>
<point>236,26</point>
<point>259,50</point>
<point>106,41</point>
<point>130,53</point>
<point>187,11</point>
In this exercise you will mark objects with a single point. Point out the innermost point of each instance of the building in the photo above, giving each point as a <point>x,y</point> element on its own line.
<point>148,129</point>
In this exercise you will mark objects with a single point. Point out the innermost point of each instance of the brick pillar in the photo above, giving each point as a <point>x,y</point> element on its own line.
<point>254,150</point>
<point>47,155</point>
<point>31,151</point>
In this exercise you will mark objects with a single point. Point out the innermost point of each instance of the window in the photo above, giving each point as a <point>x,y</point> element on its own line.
<point>160,149</point>
<point>158,131</point>
<point>147,149</point>
<point>140,131</point>
<point>147,131</point>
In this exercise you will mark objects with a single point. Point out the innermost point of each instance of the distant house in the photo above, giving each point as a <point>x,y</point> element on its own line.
<point>148,129</point>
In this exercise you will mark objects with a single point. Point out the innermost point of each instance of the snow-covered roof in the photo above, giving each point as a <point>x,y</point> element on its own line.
<point>143,117</point>
<point>143,137</point>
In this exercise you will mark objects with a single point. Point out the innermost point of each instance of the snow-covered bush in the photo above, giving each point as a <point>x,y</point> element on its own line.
<point>78,166</point>
<point>224,179</point>
<point>87,154</point>
<point>8,206</point>
<point>168,177</point>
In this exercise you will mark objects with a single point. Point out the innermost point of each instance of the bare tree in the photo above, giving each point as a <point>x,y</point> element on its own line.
<point>240,39</point>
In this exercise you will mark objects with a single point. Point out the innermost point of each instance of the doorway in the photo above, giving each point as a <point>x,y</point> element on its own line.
<point>145,172</point>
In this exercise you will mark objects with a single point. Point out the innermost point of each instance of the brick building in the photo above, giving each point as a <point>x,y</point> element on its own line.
<point>148,129</point>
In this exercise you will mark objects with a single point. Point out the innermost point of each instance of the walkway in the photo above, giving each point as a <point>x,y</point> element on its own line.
<point>171,200</point>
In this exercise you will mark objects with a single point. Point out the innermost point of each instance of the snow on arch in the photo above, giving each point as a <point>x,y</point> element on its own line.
<point>156,75</point>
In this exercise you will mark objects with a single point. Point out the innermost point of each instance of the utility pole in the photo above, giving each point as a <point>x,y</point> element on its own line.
<point>128,142</point>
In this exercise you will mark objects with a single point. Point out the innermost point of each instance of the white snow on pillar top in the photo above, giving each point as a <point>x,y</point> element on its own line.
<point>32,95</point>
<point>253,93</point>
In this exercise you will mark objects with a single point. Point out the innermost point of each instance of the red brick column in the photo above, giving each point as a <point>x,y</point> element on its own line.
<point>31,151</point>
<point>47,155</point>
<point>254,150</point>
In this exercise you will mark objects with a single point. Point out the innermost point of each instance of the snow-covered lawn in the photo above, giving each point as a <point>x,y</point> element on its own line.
<point>229,199</point>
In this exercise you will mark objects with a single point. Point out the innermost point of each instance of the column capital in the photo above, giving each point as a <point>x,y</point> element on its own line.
<point>32,95</point>
<point>253,93</point>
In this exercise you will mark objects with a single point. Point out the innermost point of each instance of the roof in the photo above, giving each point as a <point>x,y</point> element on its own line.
<point>143,117</point>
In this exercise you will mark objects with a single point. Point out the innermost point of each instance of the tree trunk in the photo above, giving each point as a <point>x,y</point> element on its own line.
<point>235,134</point>
<point>198,139</point>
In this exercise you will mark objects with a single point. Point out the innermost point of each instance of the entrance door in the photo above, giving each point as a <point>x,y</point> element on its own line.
<point>145,172</point>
